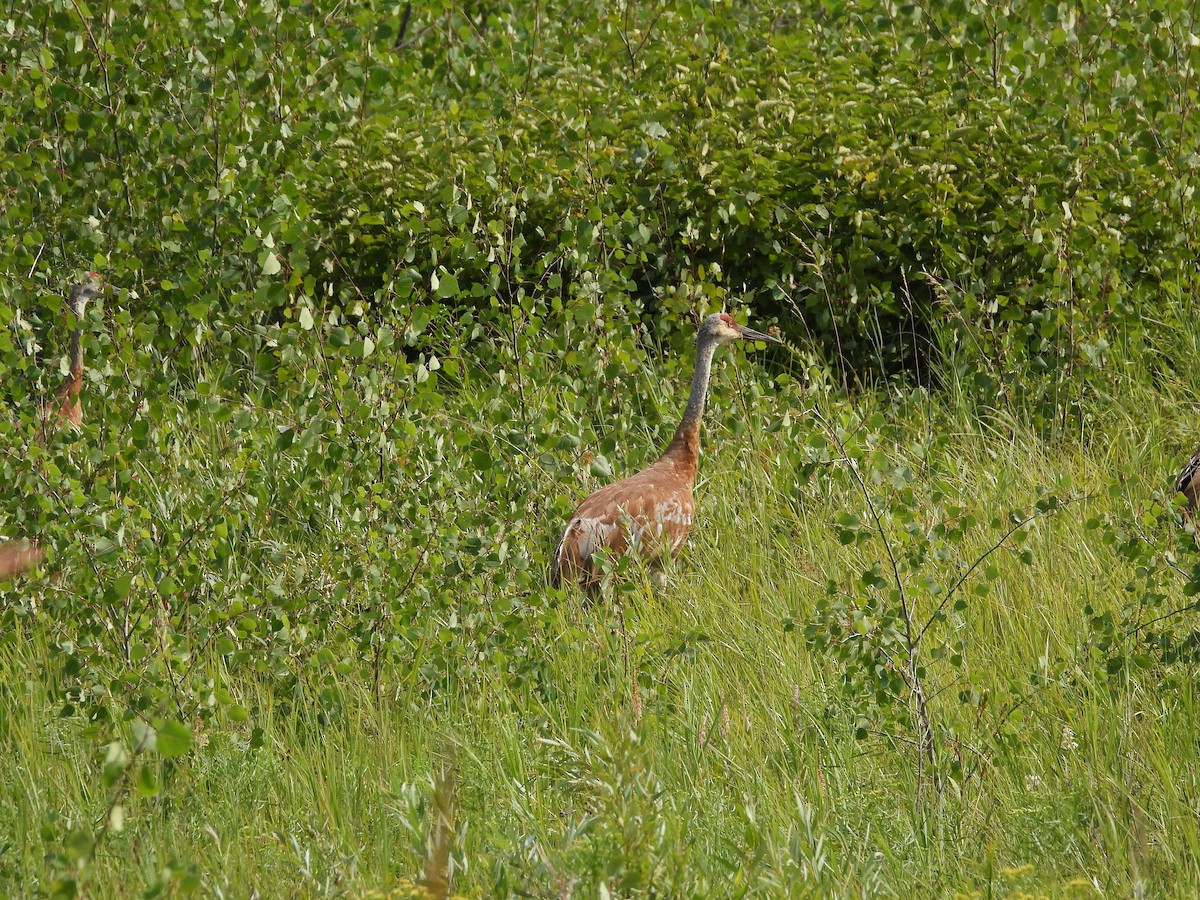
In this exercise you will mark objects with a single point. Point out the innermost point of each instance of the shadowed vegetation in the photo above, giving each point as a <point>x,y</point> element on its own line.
<point>392,288</point>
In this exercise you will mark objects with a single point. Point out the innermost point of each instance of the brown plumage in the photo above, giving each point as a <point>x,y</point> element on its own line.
<point>1188,483</point>
<point>66,408</point>
<point>17,556</point>
<point>651,512</point>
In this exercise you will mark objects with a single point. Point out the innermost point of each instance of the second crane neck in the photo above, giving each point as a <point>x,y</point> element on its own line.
<point>686,443</point>
<point>75,354</point>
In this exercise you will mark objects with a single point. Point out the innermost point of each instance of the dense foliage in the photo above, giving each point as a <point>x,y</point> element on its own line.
<point>392,286</point>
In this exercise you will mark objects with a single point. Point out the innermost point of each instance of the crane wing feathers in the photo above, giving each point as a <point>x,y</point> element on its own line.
<point>1188,473</point>
<point>640,514</point>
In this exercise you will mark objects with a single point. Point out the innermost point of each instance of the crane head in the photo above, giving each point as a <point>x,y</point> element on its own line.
<point>83,292</point>
<point>721,327</point>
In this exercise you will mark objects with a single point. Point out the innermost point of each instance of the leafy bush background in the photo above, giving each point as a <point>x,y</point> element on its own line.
<point>387,304</point>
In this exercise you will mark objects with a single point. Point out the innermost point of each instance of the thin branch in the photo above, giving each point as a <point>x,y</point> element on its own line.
<point>996,546</point>
<point>403,26</point>
<point>102,58</point>
<point>928,745</point>
<point>1167,615</point>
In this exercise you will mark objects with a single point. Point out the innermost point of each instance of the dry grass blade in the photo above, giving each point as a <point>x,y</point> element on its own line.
<point>441,835</point>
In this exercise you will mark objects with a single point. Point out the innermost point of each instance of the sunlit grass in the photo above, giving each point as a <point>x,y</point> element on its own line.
<point>687,743</point>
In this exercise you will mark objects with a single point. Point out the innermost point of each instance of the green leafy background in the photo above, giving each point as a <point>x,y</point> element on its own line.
<point>392,288</point>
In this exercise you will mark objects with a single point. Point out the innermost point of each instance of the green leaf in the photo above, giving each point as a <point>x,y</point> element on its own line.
<point>447,286</point>
<point>116,758</point>
<point>145,738</point>
<point>79,843</point>
<point>146,781</point>
<point>174,739</point>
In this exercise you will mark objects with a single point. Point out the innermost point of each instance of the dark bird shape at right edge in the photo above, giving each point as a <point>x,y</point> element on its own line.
<point>1188,483</point>
<point>651,511</point>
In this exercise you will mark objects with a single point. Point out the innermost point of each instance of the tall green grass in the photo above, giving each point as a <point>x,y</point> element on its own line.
<point>687,743</point>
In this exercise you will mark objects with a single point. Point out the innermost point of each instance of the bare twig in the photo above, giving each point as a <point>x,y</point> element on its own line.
<point>1175,612</point>
<point>920,700</point>
<point>992,549</point>
<point>399,45</point>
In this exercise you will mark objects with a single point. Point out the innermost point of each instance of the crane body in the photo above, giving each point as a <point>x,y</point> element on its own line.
<point>649,514</point>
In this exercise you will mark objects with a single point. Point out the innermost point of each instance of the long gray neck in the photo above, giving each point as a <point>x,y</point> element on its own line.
<point>76,303</point>
<point>75,354</point>
<point>700,378</point>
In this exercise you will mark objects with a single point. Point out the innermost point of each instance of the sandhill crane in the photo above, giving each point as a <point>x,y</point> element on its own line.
<point>652,510</point>
<point>66,408</point>
<point>1188,483</point>
<point>17,556</point>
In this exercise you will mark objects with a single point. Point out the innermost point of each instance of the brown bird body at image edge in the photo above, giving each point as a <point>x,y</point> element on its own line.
<point>17,556</point>
<point>650,512</point>
<point>1188,482</point>
<point>66,408</point>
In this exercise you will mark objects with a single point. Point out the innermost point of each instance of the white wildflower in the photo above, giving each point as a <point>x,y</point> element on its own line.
<point>1068,739</point>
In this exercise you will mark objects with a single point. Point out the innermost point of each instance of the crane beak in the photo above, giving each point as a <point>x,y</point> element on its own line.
<point>749,334</point>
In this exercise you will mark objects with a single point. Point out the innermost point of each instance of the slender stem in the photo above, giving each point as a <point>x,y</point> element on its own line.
<point>925,724</point>
<point>992,549</point>
<point>1175,612</point>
